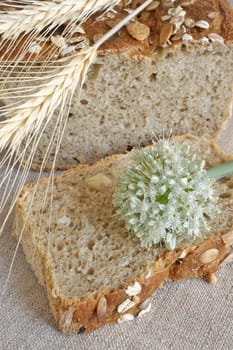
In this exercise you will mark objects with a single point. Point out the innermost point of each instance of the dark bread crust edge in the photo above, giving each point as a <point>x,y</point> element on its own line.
<point>81,315</point>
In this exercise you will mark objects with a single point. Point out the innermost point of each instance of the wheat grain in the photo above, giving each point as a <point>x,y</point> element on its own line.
<point>48,14</point>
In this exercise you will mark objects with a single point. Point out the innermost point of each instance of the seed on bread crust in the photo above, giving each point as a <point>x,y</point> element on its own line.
<point>211,278</point>
<point>153,6</point>
<point>209,256</point>
<point>228,238</point>
<point>125,306</point>
<point>165,18</point>
<point>189,22</point>
<point>185,3</point>
<point>133,290</point>
<point>144,305</point>
<point>187,37</point>
<point>144,311</point>
<point>148,275</point>
<point>125,318</point>
<point>216,37</point>
<point>212,15</point>
<point>98,181</point>
<point>138,31</point>
<point>183,254</point>
<point>202,24</point>
<point>136,299</point>
<point>66,319</point>
<point>166,33</point>
<point>101,308</point>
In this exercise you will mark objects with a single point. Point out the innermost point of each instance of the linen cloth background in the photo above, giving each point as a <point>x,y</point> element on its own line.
<point>185,315</point>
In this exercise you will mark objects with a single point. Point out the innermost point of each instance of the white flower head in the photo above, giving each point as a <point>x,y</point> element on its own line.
<point>166,197</point>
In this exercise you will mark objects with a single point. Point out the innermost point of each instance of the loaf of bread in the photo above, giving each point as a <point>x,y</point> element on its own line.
<point>94,270</point>
<point>169,71</point>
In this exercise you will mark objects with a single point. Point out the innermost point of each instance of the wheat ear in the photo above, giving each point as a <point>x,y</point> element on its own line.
<point>41,105</point>
<point>38,15</point>
<point>30,114</point>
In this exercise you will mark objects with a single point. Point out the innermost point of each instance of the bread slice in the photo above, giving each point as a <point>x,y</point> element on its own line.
<point>139,89</point>
<point>94,270</point>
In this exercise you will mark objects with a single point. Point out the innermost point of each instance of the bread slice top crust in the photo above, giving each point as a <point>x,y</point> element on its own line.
<point>79,248</point>
<point>134,41</point>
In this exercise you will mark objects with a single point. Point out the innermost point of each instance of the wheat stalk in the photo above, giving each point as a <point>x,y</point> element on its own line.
<point>48,14</point>
<point>30,114</point>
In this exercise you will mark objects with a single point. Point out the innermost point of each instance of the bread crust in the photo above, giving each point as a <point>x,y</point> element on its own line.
<point>78,315</point>
<point>222,25</point>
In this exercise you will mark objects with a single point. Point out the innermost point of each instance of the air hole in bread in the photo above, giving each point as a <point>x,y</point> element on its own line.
<point>84,102</point>
<point>184,48</point>
<point>230,184</point>
<point>99,237</point>
<point>90,244</point>
<point>81,330</point>
<point>127,125</point>
<point>95,70</point>
<point>91,271</point>
<point>60,246</point>
<point>225,195</point>
<point>153,77</point>
<point>102,120</point>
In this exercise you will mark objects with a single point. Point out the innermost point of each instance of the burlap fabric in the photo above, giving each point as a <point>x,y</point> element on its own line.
<point>186,315</point>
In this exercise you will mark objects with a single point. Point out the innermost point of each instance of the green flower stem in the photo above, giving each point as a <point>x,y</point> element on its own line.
<point>221,170</point>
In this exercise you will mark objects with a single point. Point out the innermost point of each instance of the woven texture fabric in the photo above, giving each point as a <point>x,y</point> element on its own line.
<point>185,315</point>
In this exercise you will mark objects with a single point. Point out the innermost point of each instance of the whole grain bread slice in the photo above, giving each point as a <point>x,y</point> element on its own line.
<point>94,270</point>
